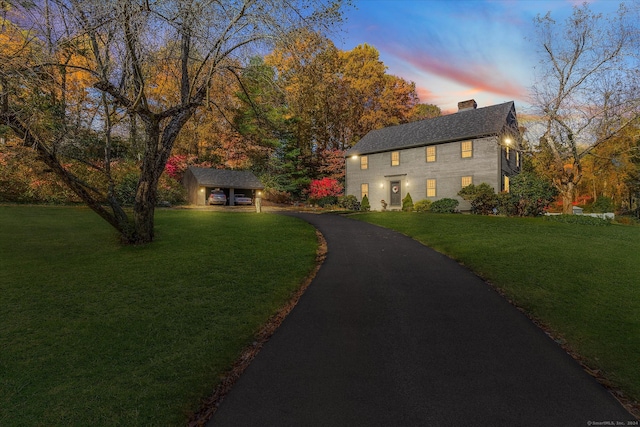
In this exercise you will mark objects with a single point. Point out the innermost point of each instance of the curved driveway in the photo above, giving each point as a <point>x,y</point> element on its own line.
<point>391,333</point>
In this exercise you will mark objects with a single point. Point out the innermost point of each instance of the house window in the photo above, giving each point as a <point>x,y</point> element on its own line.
<point>467,149</point>
<point>364,162</point>
<point>506,152</point>
<point>517,159</point>
<point>467,180</point>
<point>395,158</point>
<point>431,188</point>
<point>431,154</point>
<point>364,191</point>
<point>506,183</point>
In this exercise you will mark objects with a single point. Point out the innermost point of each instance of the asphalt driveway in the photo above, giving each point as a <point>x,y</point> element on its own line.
<point>391,333</point>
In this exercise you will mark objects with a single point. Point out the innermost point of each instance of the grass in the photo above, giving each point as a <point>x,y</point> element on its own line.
<point>95,333</point>
<point>581,281</point>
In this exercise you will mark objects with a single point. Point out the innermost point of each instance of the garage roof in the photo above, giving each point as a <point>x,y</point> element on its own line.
<point>208,177</point>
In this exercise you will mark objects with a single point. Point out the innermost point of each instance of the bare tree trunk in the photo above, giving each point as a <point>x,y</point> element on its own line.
<point>147,189</point>
<point>567,198</point>
<point>144,207</point>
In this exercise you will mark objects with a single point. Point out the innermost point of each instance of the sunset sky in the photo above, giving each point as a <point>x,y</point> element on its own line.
<point>458,49</point>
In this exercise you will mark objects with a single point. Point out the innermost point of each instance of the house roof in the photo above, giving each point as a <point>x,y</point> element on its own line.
<point>226,178</point>
<point>467,124</point>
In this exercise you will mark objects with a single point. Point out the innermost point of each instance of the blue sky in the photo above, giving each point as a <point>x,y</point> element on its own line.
<point>458,49</point>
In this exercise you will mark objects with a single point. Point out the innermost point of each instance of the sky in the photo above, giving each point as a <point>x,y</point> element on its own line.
<point>455,50</point>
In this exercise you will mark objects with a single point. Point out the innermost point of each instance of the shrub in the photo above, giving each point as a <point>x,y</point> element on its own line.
<point>423,205</point>
<point>627,220</point>
<point>325,187</point>
<point>445,205</point>
<point>24,180</point>
<point>277,196</point>
<point>407,203</point>
<point>578,219</point>
<point>327,201</point>
<point>349,202</point>
<point>601,205</point>
<point>176,166</point>
<point>364,205</point>
<point>482,198</point>
<point>529,195</point>
<point>170,190</point>
<point>508,204</point>
<point>125,190</point>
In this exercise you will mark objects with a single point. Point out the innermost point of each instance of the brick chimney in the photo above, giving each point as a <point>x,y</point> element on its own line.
<point>467,105</point>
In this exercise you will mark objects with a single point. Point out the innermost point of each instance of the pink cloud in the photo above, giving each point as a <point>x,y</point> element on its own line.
<point>476,76</point>
<point>426,95</point>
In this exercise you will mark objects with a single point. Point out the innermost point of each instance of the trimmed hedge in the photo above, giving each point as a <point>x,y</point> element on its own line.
<point>445,205</point>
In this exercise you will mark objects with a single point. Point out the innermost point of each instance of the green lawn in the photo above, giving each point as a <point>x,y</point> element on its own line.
<point>95,333</point>
<point>581,281</point>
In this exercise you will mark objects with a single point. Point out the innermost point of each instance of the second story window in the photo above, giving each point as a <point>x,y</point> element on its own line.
<point>431,153</point>
<point>395,158</point>
<point>364,162</point>
<point>467,149</point>
<point>466,180</point>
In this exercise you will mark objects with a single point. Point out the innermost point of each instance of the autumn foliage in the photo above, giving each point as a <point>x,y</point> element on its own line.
<point>325,187</point>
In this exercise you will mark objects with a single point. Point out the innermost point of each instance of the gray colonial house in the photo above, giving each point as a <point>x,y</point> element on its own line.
<point>200,182</point>
<point>434,158</point>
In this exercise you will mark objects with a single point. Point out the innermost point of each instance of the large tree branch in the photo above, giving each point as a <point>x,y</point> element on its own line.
<point>118,218</point>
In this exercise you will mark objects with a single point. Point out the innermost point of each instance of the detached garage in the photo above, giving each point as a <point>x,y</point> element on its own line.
<point>200,182</point>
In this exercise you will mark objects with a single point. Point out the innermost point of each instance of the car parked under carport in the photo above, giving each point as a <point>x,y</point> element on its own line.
<point>241,199</point>
<point>200,182</point>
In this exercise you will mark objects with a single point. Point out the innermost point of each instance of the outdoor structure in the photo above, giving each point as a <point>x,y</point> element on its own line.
<point>199,183</point>
<point>434,158</point>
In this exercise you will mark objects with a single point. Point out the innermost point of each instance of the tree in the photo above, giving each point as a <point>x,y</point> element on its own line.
<point>609,168</point>
<point>425,111</point>
<point>123,47</point>
<point>407,203</point>
<point>529,195</point>
<point>374,99</point>
<point>307,76</point>
<point>325,187</point>
<point>587,91</point>
<point>365,206</point>
<point>335,97</point>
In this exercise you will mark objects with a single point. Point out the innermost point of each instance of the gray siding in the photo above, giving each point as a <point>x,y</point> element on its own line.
<point>486,165</point>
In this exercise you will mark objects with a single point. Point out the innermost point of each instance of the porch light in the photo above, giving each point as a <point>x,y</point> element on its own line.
<point>382,185</point>
<point>508,140</point>
<point>202,189</point>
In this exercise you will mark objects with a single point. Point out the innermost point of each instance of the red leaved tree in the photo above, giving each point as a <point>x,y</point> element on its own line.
<point>325,187</point>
